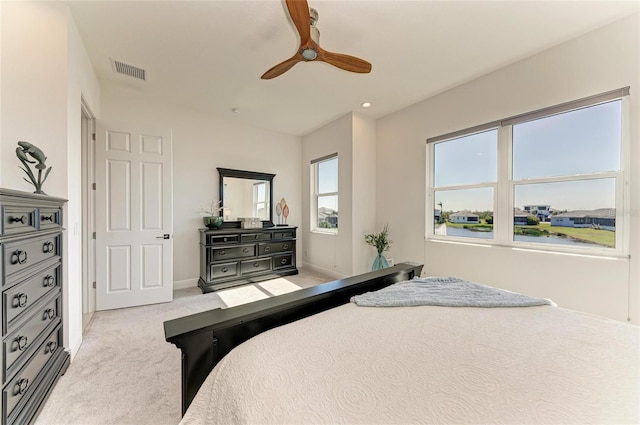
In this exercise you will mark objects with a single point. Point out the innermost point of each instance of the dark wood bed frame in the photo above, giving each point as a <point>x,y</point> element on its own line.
<point>205,338</point>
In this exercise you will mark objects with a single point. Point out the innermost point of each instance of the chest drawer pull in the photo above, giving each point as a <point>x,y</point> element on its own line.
<point>283,261</point>
<point>22,219</point>
<point>285,246</point>
<point>256,264</point>
<point>52,346</point>
<point>50,314</point>
<point>222,253</point>
<point>22,342</point>
<point>49,281</point>
<point>47,247</point>
<point>267,248</point>
<point>19,257</point>
<point>23,385</point>
<point>245,250</point>
<point>47,217</point>
<point>224,269</point>
<point>22,299</point>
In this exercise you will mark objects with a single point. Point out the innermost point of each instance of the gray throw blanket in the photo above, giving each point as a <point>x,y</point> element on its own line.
<point>444,292</point>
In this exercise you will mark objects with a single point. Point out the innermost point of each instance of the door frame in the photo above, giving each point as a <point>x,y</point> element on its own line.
<point>88,212</point>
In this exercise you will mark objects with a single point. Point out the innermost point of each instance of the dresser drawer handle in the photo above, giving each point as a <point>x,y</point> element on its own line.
<point>49,281</point>
<point>256,264</point>
<point>225,269</point>
<point>22,219</point>
<point>267,248</point>
<point>245,250</point>
<point>47,218</point>
<point>47,247</point>
<point>283,261</point>
<point>50,314</point>
<point>23,385</point>
<point>222,252</point>
<point>52,346</point>
<point>20,257</point>
<point>285,246</point>
<point>22,342</point>
<point>22,299</point>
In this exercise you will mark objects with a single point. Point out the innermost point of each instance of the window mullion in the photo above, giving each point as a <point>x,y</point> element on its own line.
<point>503,215</point>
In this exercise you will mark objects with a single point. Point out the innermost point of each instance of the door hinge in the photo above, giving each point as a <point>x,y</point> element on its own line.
<point>94,285</point>
<point>94,186</point>
<point>93,136</point>
<point>94,235</point>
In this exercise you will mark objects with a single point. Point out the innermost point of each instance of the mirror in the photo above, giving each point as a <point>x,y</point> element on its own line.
<point>245,194</point>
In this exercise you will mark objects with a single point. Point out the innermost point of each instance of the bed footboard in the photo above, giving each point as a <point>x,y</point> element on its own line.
<point>205,338</point>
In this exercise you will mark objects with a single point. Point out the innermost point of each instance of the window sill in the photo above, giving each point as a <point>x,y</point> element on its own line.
<point>325,232</point>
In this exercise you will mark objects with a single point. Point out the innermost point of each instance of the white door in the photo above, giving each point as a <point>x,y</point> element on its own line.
<point>134,217</point>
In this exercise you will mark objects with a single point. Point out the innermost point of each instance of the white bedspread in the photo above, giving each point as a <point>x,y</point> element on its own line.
<point>430,365</point>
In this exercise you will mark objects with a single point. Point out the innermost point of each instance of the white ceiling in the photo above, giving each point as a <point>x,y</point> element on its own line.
<point>210,55</point>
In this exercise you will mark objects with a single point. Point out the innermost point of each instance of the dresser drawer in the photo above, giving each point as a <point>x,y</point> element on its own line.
<point>18,220</point>
<point>251,237</point>
<point>288,234</point>
<point>17,256</point>
<point>26,380</point>
<point>273,247</point>
<point>50,218</point>
<point>19,342</point>
<point>218,239</point>
<point>18,300</point>
<point>255,266</point>
<point>282,261</point>
<point>221,271</point>
<point>228,253</point>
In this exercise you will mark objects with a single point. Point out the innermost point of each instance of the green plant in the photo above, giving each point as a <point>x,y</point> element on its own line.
<point>380,240</point>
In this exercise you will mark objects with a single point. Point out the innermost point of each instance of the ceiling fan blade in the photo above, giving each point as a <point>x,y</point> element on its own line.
<point>282,67</point>
<point>299,11</point>
<point>346,62</point>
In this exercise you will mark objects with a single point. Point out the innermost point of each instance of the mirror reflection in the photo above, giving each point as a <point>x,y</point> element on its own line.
<point>246,198</point>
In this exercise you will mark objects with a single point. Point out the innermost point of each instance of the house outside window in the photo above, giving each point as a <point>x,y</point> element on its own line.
<point>324,208</point>
<point>557,182</point>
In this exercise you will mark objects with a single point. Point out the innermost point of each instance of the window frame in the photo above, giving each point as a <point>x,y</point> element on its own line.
<point>504,190</point>
<point>316,194</point>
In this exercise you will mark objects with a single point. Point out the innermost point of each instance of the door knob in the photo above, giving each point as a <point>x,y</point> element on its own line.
<point>165,236</point>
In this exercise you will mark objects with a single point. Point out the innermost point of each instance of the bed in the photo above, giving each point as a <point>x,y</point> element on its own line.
<point>424,364</point>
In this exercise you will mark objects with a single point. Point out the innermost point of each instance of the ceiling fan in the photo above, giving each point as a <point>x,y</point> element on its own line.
<point>305,20</point>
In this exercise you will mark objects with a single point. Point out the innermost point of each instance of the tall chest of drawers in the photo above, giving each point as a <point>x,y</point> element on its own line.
<point>230,257</point>
<point>33,355</point>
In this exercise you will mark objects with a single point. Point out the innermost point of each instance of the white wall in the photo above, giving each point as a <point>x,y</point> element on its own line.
<point>329,253</point>
<point>596,62</point>
<point>353,137</point>
<point>200,144</point>
<point>45,71</point>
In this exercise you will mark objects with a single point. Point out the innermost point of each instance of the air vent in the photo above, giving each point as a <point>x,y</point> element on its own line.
<point>130,70</point>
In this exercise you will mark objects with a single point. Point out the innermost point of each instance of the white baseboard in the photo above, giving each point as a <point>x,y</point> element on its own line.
<point>75,346</point>
<point>332,273</point>
<point>185,284</point>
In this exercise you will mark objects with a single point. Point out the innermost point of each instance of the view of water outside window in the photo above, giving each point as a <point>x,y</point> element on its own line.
<point>565,169</point>
<point>580,144</point>
<point>327,193</point>
<point>471,162</point>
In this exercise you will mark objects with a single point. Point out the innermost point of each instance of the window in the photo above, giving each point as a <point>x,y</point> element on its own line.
<point>260,201</point>
<point>552,179</point>
<point>324,209</point>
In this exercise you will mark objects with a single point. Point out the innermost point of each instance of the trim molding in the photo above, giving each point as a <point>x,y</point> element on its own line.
<point>331,273</point>
<point>185,284</point>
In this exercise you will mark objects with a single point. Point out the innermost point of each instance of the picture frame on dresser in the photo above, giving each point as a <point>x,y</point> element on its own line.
<point>33,355</point>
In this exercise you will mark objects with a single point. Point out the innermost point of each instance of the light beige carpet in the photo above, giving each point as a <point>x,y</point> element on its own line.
<point>126,373</point>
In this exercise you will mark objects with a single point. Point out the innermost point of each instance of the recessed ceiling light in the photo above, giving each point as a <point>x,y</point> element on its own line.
<point>366,104</point>
<point>235,110</point>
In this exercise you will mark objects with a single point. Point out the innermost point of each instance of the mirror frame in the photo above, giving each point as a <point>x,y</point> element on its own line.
<point>242,174</point>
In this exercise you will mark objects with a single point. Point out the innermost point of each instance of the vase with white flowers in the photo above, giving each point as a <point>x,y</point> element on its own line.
<point>381,242</point>
<point>211,216</point>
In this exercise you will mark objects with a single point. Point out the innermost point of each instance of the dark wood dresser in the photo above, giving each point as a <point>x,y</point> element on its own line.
<point>230,257</point>
<point>33,355</point>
